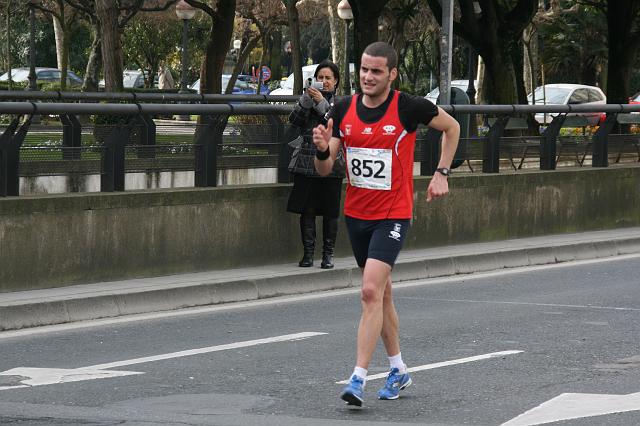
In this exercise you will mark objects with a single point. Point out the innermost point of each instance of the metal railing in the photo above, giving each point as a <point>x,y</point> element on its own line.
<point>221,140</point>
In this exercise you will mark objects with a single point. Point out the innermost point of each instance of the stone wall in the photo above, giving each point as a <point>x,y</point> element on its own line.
<point>58,240</point>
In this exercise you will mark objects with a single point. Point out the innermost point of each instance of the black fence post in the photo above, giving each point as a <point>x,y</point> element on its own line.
<point>491,148</point>
<point>71,137</point>
<point>548,141</point>
<point>280,140</point>
<point>431,149</point>
<point>209,139</point>
<point>113,167</point>
<point>147,136</point>
<point>600,155</point>
<point>10,143</point>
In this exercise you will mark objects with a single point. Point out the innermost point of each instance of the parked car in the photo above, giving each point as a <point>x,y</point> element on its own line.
<point>286,86</point>
<point>43,75</point>
<point>241,87</point>
<point>568,94</point>
<point>132,79</point>
<point>460,84</point>
<point>635,99</point>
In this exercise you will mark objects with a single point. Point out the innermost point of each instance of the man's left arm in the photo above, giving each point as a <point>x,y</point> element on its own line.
<point>439,186</point>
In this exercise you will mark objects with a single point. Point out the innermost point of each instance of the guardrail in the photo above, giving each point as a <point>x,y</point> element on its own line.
<point>25,95</point>
<point>216,144</point>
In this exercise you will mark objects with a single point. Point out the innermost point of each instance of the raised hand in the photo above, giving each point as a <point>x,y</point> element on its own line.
<point>322,135</point>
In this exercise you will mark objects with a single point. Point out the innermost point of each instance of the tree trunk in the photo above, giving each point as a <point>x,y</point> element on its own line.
<point>624,43</point>
<point>92,71</point>
<point>494,32</point>
<point>263,60</point>
<point>336,26</point>
<point>530,52</point>
<point>107,13</point>
<point>242,58</point>
<point>8,55</point>
<point>501,76</point>
<point>365,30</point>
<point>64,65</point>
<point>338,30</point>
<point>217,47</point>
<point>296,54</point>
<point>481,97</point>
<point>59,34</point>
<point>276,55</point>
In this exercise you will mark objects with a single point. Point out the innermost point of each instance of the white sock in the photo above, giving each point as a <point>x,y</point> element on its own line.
<point>361,373</point>
<point>396,362</point>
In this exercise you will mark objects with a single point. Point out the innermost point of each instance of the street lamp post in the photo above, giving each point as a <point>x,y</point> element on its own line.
<point>32,44</point>
<point>185,12</point>
<point>346,14</point>
<point>237,44</point>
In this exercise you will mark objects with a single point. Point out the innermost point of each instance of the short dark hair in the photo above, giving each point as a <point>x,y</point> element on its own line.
<point>381,49</point>
<point>328,64</point>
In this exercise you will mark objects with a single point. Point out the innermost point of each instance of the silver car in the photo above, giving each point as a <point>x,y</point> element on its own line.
<point>43,75</point>
<point>568,94</point>
<point>460,84</point>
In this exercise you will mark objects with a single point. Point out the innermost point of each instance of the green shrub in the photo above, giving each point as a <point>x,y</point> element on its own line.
<point>4,85</point>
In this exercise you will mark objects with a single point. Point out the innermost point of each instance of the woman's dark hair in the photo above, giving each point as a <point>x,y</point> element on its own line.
<point>333,67</point>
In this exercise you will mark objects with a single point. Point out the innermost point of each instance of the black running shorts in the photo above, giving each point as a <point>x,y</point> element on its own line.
<point>376,239</point>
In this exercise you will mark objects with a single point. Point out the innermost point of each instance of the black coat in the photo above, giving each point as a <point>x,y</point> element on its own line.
<point>306,115</point>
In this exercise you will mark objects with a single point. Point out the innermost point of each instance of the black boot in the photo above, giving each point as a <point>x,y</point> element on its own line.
<point>329,233</point>
<point>308,233</point>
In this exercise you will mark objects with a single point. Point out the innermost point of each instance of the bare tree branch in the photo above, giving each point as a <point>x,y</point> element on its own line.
<point>202,6</point>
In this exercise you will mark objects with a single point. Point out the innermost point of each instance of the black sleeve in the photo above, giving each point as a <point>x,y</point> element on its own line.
<point>415,110</point>
<point>338,112</point>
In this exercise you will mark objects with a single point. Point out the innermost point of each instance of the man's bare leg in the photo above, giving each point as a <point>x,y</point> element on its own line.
<point>390,323</point>
<point>375,277</point>
<point>374,280</point>
<point>398,378</point>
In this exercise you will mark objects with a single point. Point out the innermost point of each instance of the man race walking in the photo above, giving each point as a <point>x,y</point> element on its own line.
<point>377,131</point>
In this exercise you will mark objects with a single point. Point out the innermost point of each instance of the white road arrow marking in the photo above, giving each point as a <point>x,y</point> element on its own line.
<point>575,406</point>
<point>443,364</point>
<point>48,376</point>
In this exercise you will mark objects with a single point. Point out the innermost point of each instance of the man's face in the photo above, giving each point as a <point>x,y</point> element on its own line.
<point>375,76</point>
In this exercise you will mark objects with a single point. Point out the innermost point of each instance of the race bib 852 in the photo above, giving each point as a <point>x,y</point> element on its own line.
<point>370,168</point>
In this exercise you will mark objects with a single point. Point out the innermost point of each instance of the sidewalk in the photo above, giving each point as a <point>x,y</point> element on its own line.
<point>135,296</point>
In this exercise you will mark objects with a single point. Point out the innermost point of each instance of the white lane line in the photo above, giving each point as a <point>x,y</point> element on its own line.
<point>284,338</point>
<point>30,376</point>
<point>555,305</point>
<point>299,298</point>
<point>443,364</point>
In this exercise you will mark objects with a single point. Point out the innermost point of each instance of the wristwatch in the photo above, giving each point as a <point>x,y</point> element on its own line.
<point>444,171</point>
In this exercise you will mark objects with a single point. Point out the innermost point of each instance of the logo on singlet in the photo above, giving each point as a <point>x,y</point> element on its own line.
<point>367,131</point>
<point>395,234</point>
<point>347,129</point>
<point>389,130</point>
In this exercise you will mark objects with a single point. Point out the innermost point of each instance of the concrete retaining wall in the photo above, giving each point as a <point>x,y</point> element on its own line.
<point>50,241</point>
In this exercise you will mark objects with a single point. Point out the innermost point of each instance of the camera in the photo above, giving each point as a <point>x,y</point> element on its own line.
<point>315,84</point>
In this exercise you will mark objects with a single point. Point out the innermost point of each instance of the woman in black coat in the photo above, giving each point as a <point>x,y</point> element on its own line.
<point>313,195</point>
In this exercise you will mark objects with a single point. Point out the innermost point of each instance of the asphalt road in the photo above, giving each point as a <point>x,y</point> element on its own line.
<point>570,329</point>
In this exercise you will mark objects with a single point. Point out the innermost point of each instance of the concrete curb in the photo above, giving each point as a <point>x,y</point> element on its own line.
<point>34,312</point>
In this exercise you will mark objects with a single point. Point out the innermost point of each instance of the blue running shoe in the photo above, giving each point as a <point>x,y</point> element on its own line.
<point>353,393</point>
<point>395,383</point>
